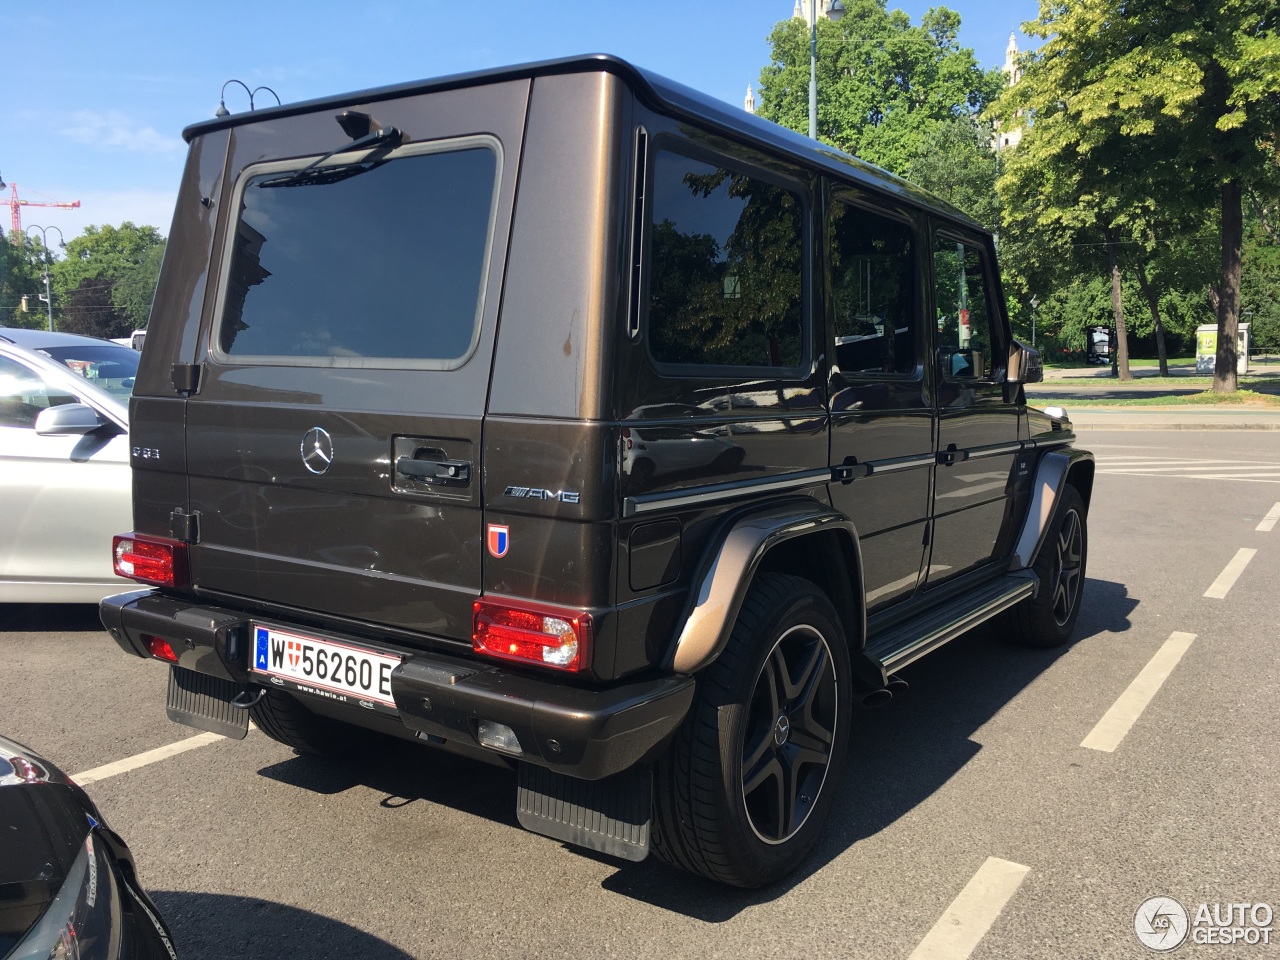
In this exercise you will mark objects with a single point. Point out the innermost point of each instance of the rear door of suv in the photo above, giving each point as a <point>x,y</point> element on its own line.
<point>333,443</point>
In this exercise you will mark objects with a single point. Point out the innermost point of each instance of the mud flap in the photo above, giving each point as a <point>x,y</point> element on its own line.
<point>610,816</point>
<point>204,702</point>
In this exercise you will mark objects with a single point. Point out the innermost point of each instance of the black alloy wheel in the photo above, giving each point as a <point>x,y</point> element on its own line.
<point>1048,618</point>
<point>742,793</point>
<point>789,733</point>
<point>1068,567</point>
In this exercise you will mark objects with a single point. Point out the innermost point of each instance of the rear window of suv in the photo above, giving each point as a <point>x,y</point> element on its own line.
<point>359,264</point>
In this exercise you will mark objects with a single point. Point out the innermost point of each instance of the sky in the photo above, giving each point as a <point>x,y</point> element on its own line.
<point>96,93</point>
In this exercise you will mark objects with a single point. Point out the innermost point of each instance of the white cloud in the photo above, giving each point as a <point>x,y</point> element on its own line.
<point>113,130</point>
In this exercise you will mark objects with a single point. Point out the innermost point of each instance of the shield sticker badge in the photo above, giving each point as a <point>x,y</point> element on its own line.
<point>499,539</point>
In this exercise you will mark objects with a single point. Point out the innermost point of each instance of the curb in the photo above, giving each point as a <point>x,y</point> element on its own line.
<point>1105,419</point>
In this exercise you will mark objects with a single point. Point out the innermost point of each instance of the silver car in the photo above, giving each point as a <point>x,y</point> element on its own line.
<point>64,465</point>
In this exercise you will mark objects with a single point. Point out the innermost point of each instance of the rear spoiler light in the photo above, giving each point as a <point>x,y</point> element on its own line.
<point>155,560</point>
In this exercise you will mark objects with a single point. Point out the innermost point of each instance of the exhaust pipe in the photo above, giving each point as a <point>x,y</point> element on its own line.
<point>895,687</point>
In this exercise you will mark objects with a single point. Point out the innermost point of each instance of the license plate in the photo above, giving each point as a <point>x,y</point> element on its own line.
<point>327,668</point>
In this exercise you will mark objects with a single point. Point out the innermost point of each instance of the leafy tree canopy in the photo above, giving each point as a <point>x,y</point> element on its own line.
<point>1138,114</point>
<point>884,84</point>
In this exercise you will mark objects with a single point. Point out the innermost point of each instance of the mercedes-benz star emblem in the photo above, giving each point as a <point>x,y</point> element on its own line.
<point>317,450</point>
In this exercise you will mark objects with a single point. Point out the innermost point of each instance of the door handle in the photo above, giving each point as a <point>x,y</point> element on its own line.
<point>951,456</point>
<point>445,472</point>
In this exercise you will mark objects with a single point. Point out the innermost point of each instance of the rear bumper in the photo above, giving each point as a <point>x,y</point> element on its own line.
<point>581,732</point>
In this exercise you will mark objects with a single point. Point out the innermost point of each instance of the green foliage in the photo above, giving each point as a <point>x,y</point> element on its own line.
<point>89,310</point>
<point>136,286</point>
<point>21,269</point>
<point>956,162</point>
<point>104,252</point>
<point>105,283</point>
<point>1138,121</point>
<point>884,84</point>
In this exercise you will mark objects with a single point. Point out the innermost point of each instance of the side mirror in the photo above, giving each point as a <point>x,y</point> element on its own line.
<point>67,419</point>
<point>1025,365</point>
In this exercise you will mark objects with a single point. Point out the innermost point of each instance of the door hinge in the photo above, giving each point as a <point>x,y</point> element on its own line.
<point>185,526</point>
<point>186,377</point>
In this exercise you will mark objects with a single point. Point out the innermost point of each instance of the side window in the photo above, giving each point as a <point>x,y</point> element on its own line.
<point>23,394</point>
<point>873,292</point>
<point>963,313</point>
<point>725,268</point>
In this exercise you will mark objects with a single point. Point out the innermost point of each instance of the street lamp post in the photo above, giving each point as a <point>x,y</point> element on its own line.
<point>1034,304</point>
<point>48,262</point>
<point>834,12</point>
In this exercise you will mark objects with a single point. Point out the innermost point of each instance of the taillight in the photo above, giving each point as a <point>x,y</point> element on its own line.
<point>160,648</point>
<point>532,633</point>
<point>152,560</point>
<point>626,437</point>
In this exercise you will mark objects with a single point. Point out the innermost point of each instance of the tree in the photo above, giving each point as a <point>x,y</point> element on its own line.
<point>89,310</point>
<point>135,287</point>
<point>884,84</point>
<point>956,162</point>
<point>21,272</point>
<point>1159,106</point>
<point>122,260</point>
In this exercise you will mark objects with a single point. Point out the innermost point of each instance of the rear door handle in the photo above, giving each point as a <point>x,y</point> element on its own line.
<point>951,456</point>
<point>447,472</point>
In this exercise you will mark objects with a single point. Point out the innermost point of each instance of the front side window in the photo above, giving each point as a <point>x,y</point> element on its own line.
<point>963,313</point>
<point>366,263</point>
<point>725,268</point>
<point>873,292</point>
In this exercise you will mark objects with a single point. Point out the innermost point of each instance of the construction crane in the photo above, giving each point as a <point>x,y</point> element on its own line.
<point>15,210</point>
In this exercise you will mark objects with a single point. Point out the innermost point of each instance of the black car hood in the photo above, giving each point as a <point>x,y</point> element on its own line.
<point>44,819</point>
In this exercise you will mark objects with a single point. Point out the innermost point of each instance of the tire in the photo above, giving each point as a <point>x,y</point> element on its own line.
<point>283,718</point>
<point>1048,618</point>
<point>742,793</point>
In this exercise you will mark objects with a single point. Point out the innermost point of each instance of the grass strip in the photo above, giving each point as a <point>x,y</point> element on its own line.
<point>1208,398</point>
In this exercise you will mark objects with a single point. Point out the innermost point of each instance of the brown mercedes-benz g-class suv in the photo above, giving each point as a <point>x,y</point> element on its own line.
<point>563,416</point>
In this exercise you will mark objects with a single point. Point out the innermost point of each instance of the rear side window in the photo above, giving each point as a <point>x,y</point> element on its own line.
<point>873,288</point>
<point>362,264</point>
<point>725,268</point>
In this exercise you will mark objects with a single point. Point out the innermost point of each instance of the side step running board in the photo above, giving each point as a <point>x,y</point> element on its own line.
<point>910,641</point>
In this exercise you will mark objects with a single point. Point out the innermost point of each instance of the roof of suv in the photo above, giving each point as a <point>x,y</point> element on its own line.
<point>667,94</point>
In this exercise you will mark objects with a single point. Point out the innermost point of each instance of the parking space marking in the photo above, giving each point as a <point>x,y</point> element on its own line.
<point>1228,577</point>
<point>1115,723</point>
<point>971,914</point>
<point>1269,521</point>
<point>144,759</point>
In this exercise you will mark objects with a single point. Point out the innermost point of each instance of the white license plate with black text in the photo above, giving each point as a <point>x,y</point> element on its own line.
<point>327,668</point>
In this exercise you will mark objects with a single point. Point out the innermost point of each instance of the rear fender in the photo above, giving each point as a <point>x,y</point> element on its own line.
<point>1055,470</point>
<point>737,552</point>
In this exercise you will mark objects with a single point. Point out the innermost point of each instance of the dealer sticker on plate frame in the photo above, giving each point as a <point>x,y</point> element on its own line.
<point>325,668</point>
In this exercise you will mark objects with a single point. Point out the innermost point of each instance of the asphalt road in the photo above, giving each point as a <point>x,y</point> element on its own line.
<point>253,852</point>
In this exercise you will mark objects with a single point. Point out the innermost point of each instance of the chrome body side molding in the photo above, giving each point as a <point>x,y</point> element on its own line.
<point>716,492</point>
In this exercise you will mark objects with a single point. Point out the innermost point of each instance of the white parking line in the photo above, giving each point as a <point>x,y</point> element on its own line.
<point>972,913</point>
<point>143,759</point>
<point>1269,521</point>
<point>1228,577</point>
<point>1115,723</point>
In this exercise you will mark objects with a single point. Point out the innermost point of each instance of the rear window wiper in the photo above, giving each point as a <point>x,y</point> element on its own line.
<point>387,138</point>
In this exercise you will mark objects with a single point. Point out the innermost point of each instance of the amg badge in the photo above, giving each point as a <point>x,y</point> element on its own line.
<point>536,493</point>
